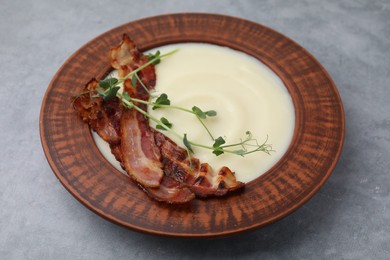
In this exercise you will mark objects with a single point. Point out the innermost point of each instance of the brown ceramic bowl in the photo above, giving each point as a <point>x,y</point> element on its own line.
<point>309,161</point>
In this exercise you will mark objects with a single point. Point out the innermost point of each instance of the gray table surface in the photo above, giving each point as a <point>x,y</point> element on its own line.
<point>349,218</point>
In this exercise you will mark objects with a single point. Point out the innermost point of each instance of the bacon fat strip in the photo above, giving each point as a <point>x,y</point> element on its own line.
<point>141,157</point>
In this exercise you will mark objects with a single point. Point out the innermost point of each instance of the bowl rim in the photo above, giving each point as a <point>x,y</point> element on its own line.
<point>43,125</point>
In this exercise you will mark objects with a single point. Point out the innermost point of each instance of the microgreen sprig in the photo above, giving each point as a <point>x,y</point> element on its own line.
<point>163,101</point>
<point>110,86</point>
<point>156,58</point>
<point>245,146</point>
<point>109,89</point>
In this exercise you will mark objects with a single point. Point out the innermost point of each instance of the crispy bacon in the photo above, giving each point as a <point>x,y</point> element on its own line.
<point>200,178</point>
<point>103,117</point>
<point>171,191</point>
<point>141,157</point>
<point>125,58</point>
<point>160,167</point>
<point>140,154</point>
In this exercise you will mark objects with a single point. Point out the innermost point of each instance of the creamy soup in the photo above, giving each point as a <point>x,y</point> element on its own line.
<point>245,93</point>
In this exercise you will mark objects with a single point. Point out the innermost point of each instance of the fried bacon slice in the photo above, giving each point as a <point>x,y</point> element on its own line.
<point>141,157</point>
<point>171,191</point>
<point>159,166</point>
<point>125,58</point>
<point>199,178</point>
<point>103,117</point>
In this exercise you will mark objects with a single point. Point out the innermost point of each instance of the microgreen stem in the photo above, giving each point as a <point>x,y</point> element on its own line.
<point>161,105</point>
<point>129,104</point>
<point>142,84</point>
<point>174,107</point>
<point>147,64</point>
<point>205,127</point>
<point>82,94</point>
<point>263,147</point>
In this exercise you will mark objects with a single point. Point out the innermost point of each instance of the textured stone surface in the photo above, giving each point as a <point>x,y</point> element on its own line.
<point>348,219</point>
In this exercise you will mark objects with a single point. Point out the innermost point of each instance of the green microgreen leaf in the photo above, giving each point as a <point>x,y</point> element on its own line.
<point>126,96</point>
<point>201,114</point>
<point>111,93</point>
<point>187,144</point>
<point>198,112</point>
<point>161,100</point>
<point>126,99</point>
<point>218,142</point>
<point>154,56</point>
<point>134,80</point>
<point>165,122</point>
<point>108,83</point>
<point>217,149</point>
<point>211,113</point>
